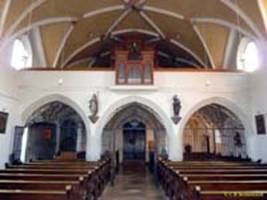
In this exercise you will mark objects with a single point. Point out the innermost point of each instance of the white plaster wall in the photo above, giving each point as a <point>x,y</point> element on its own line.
<point>8,103</point>
<point>193,89</point>
<point>258,96</point>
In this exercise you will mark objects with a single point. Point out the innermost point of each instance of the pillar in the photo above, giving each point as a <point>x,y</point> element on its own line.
<point>175,143</point>
<point>58,132</point>
<point>79,137</point>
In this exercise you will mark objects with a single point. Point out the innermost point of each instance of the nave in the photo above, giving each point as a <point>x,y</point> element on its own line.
<point>133,184</point>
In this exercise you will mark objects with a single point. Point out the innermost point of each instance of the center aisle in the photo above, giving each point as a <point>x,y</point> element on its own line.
<point>133,185</point>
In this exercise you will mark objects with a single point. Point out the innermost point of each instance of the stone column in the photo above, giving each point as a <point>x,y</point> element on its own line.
<point>79,138</point>
<point>175,143</point>
<point>58,132</point>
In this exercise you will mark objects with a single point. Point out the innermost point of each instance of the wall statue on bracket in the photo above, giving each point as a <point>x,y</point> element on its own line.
<point>176,106</point>
<point>93,107</point>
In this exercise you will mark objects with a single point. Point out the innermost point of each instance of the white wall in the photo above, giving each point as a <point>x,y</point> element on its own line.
<point>8,103</point>
<point>258,96</point>
<point>194,89</point>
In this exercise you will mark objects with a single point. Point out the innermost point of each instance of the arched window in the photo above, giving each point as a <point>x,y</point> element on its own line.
<point>21,54</point>
<point>248,56</point>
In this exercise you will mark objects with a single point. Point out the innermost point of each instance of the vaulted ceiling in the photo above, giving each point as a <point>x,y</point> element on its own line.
<point>72,31</point>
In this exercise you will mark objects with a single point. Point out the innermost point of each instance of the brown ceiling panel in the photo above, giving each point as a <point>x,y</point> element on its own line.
<point>134,20</point>
<point>88,29</point>
<point>88,52</point>
<point>180,30</point>
<point>2,4</point>
<point>16,9</point>
<point>61,8</point>
<point>197,8</point>
<point>264,3</point>
<point>251,8</point>
<point>216,38</point>
<point>52,36</point>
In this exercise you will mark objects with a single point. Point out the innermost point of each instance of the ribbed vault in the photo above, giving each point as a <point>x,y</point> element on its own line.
<point>75,31</point>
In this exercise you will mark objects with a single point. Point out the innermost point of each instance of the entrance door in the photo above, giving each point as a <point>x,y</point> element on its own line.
<point>134,141</point>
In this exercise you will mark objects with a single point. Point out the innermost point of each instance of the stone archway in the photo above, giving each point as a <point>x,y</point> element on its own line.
<point>112,138</point>
<point>214,130</point>
<point>53,112</point>
<point>172,149</point>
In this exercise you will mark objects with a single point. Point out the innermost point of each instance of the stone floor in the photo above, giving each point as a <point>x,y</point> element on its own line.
<point>133,185</point>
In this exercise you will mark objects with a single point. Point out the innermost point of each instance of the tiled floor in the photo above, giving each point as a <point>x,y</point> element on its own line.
<point>133,185</point>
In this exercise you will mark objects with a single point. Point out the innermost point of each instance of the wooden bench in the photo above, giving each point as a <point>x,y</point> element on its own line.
<point>77,189</point>
<point>35,195</point>
<point>232,195</point>
<point>193,180</point>
<point>63,179</point>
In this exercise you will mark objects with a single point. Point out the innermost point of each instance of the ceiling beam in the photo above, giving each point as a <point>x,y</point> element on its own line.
<point>92,62</point>
<point>4,16</point>
<point>183,60</point>
<point>217,21</point>
<point>118,21</point>
<point>222,22</point>
<point>24,14</point>
<point>142,31</point>
<point>79,61</point>
<point>175,42</point>
<point>80,49</point>
<point>43,22</point>
<point>152,24</point>
<point>204,44</point>
<point>234,7</point>
<point>62,45</point>
<point>104,10</point>
<point>178,59</point>
<point>98,39</point>
<point>163,12</point>
<point>188,50</point>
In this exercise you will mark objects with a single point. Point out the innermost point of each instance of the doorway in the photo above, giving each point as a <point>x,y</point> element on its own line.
<point>134,141</point>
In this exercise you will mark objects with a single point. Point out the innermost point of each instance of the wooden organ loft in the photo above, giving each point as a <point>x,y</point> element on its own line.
<point>134,63</point>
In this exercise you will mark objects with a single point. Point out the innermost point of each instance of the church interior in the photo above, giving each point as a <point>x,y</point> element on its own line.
<point>133,99</point>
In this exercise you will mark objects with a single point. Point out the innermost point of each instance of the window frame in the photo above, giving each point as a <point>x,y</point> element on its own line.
<point>25,41</point>
<point>241,51</point>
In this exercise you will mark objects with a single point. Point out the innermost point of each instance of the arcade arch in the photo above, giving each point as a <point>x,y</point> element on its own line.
<point>214,130</point>
<point>134,131</point>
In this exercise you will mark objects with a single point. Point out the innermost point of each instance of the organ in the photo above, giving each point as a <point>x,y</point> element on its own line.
<point>134,63</point>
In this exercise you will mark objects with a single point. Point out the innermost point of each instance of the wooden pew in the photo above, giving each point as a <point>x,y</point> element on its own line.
<point>99,175</point>
<point>36,178</point>
<point>232,177</point>
<point>76,188</point>
<point>63,177</point>
<point>232,195</point>
<point>245,177</point>
<point>35,195</point>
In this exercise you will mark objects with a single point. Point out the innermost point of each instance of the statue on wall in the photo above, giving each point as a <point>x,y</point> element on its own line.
<point>176,106</point>
<point>93,107</point>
